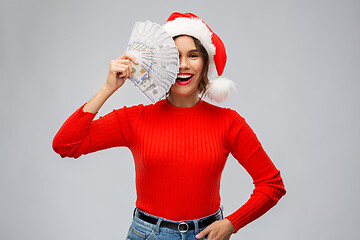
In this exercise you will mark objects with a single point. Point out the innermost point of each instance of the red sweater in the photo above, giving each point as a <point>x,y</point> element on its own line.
<point>179,156</point>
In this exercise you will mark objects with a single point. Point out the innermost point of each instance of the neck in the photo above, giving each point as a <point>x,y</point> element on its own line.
<point>183,101</point>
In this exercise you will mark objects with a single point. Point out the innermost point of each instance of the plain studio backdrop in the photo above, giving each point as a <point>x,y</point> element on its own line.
<point>296,67</point>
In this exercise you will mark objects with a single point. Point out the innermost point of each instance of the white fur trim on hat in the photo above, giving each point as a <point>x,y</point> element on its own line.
<point>192,27</point>
<point>219,89</point>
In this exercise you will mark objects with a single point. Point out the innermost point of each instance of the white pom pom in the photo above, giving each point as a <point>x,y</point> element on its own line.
<point>219,89</point>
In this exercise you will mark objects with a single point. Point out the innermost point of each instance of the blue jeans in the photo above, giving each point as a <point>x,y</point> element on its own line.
<point>141,230</point>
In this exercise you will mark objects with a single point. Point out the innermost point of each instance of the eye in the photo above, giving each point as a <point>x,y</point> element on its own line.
<point>194,55</point>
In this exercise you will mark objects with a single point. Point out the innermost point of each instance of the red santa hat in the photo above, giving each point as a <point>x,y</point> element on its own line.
<point>189,24</point>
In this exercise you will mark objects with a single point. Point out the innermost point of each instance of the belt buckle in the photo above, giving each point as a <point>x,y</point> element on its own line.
<point>180,227</point>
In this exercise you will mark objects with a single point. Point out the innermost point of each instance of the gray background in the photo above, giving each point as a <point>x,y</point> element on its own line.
<point>296,66</point>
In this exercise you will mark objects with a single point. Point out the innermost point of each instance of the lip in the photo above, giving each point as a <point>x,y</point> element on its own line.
<point>184,83</point>
<point>187,82</point>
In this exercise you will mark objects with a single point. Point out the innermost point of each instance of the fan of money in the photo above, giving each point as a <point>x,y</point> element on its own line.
<point>158,58</point>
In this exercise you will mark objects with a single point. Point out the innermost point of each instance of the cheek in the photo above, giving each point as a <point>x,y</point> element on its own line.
<point>199,74</point>
<point>199,66</point>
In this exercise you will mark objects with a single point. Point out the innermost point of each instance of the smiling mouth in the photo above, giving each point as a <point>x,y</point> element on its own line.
<point>184,78</point>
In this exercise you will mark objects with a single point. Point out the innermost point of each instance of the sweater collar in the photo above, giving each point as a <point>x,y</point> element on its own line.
<point>190,110</point>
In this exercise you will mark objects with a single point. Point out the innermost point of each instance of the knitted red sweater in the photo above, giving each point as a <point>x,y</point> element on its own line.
<point>179,156</point>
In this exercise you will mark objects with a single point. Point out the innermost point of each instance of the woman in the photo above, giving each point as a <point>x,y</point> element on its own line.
<point>180,144</point>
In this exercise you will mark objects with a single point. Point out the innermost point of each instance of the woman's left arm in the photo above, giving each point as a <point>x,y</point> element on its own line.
<point>269,187</point>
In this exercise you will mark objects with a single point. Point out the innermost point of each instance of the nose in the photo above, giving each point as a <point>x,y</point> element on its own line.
<point>184,64</point>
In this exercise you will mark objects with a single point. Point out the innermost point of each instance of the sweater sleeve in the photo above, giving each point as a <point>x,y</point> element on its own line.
<point>80,134</point>
<point>269,188</point>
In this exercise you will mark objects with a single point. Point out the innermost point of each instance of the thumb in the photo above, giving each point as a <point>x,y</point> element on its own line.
<point>203,233</point>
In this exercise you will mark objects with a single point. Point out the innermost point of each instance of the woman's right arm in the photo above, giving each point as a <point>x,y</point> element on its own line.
<point>80,134</point>
<point>120,70</point>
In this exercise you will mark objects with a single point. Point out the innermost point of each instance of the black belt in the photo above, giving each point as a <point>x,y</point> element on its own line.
<point>181,226</point>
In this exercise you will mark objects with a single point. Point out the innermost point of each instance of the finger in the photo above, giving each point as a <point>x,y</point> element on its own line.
<point>117,68</point>
<point>121,57</point>
<point>213,235</point>
<point>125,70</point>
<point>124,64</point>
<point>130,69</point>
<point>127,57</point>
<point>132,58</point>
<point>116,71</point>
<point>121,73</point>
<point>119,76</point>
<point>203,233</point>
<point>121,62</point>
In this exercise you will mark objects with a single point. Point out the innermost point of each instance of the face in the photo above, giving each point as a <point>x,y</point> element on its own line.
<point>191,65</point>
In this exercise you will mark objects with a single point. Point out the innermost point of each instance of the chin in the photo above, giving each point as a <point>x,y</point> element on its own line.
<point>181,92</point>
<point>184,91</point>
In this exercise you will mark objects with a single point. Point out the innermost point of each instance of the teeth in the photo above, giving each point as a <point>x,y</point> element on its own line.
<point>184,75</point>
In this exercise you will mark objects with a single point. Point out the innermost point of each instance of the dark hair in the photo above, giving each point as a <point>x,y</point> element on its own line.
<point>204,74</point>
<point>204,81</point>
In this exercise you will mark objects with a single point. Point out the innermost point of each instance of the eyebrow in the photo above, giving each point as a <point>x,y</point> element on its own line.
<point>193,50</point>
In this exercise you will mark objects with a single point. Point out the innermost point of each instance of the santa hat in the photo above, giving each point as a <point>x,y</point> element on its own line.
<point>189,24</point>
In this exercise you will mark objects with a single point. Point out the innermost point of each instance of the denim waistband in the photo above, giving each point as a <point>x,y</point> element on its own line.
<point>156,227</point>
